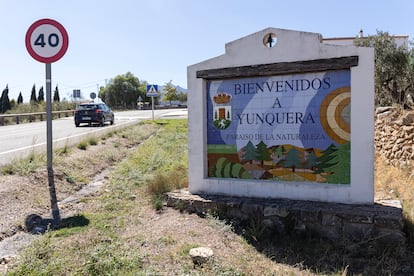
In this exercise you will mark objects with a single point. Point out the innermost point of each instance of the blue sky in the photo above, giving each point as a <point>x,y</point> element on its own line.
<point>157,39</point>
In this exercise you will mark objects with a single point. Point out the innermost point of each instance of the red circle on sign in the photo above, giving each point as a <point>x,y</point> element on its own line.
<point>37,55</point>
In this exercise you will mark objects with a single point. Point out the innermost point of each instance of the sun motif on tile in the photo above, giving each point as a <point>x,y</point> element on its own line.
<point>335,114</point>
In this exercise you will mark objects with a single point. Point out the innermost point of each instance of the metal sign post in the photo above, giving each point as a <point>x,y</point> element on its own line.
<point>47,41</point>
<point>51,181</point>
<point>139,102</point>
<point>152,100</point>
<point>152,91</point>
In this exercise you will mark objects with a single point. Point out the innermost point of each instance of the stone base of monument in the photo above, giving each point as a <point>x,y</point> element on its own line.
<point>382,221</point>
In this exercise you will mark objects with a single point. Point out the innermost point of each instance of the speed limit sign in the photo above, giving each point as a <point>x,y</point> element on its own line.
<point>47,40</point>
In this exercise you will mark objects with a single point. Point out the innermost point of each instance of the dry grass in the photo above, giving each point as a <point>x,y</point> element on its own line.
<point>392,182</point>
<point>396,183</point>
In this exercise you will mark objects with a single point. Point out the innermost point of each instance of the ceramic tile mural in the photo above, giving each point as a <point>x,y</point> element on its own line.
<point>281,128</point>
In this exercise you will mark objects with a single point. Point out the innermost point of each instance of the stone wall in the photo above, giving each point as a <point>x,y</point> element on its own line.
<point>394,136</point>
<point>334,221</point>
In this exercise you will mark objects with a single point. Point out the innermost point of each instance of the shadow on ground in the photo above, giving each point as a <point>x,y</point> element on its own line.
<point>35,224</point>
<point>321,256</point>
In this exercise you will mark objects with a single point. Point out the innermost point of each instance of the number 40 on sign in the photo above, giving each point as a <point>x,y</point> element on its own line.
<point>46,40</point>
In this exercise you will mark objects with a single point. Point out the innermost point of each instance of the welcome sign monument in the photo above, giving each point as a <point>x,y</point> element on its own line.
<point>282,115</point>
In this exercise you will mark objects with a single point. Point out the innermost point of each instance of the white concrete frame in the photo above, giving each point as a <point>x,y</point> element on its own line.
<point>291,46</point>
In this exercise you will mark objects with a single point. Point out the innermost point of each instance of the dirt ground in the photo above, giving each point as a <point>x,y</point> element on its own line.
<point>22,196</point>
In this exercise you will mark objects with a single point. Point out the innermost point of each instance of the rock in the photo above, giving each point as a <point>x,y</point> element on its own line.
<point>35,224</point>
<point>201,255</point>
<point>408,118</point>
<point>7,259</point>
<point>275,211</point>
<point>383,109</point>
<point>32,222</point>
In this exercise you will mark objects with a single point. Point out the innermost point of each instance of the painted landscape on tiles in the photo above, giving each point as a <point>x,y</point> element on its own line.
<point>280,128</point>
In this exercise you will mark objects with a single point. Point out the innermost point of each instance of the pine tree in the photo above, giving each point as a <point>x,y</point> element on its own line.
<point>5,101</point>
<point>263,152</point>
<point>293,159</point>
<point>325,160</point>
<point>311,161</point>
<point>41,97</point>
<point>250,153</point>
<point>341,170</point>
<point>278,155</point>
<point>33,98</point>
<point>56,97</point>
<point>20,98</point>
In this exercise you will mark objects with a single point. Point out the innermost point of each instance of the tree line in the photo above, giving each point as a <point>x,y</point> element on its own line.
<point>125,91</point>
<point>6,104</point>
<point>122,92</point>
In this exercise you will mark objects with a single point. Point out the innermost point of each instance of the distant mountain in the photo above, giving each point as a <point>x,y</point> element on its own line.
<point>179,88</point>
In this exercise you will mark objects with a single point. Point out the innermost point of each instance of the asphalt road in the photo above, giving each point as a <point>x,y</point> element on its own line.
<point>17,141</point>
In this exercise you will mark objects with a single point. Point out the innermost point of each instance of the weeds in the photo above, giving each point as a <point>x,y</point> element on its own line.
<point>158,202</point>
<point>163,183</point>
<point>394,183</point>
<point>161,163</point>
<point>64,150</point>
<point>23,167</point>
<point>37,259</point>
<point>256,230</point>
<point>107,257</point>
<point>185,249</point>
<point>160,184</point>
<point>216,222</point>
<point>108,135</point>
<point>83,145</point>
<point>93,141</point>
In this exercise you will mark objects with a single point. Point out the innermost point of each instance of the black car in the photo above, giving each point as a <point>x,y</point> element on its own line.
<point>90,113</point>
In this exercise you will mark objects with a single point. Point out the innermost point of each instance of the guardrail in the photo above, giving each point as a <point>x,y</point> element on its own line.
<point>32,117</point>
